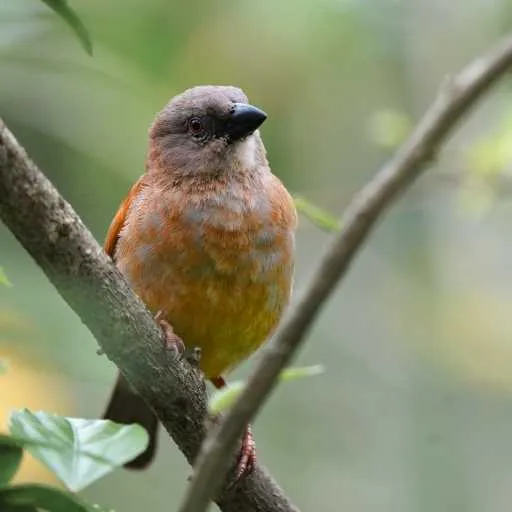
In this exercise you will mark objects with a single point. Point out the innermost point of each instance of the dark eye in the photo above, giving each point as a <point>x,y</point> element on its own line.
<point>195,125</point>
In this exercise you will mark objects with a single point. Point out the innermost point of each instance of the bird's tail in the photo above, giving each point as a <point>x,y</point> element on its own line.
<point>127,407</point>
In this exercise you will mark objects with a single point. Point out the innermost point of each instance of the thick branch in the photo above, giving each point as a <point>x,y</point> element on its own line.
<point>58,241</point>
<point>457,96</point>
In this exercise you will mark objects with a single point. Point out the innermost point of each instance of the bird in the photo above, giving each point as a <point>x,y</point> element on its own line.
<point>206,238</point>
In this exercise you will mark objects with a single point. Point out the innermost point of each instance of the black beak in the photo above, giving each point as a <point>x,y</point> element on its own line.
<point>244,120</point>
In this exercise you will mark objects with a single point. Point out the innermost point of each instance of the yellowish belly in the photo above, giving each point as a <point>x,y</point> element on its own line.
<point>226,299</point>
<point>228,319</point>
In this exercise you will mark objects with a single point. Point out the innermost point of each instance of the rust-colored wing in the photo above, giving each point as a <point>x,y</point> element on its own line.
<point>117,224</point>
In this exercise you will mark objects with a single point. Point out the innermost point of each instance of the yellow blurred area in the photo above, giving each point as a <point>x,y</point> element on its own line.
<point>23,386</point>
<point>475,338</point>
<point>465,331</point>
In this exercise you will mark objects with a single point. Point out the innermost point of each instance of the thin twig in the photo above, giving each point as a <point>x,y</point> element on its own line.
<point>455,99</point>
<point>49,229</point>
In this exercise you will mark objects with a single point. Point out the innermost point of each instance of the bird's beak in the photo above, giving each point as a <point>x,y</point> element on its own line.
<point>244,120</point>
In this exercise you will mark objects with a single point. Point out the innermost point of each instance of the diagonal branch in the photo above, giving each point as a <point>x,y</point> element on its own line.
<point>455,99</point>
<point>49,229</point>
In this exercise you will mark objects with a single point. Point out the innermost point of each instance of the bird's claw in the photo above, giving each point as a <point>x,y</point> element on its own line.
<point>193,356</point>
<point>175,343</point>
<point>172,340</point>
<point>247,457</point>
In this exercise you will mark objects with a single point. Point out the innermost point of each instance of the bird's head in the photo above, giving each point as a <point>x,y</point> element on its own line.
<point>208,129</point>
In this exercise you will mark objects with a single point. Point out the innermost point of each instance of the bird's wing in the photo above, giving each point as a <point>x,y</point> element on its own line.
<point>118,222</point>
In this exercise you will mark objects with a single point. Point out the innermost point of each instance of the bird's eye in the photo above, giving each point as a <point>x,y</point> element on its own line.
<point>195,126</point>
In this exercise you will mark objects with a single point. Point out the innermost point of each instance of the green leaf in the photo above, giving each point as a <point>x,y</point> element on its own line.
<point>316,215</point>
<point>225,397</point>
<point>78,451</point>
<point>42,497</point>
<point>97,508</point>
<point>16,508</point>
<point>3,278</point>
<point>11,453</point>
<point>62,8</point>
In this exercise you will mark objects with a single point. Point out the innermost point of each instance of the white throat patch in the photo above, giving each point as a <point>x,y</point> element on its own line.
<point>247,151</point>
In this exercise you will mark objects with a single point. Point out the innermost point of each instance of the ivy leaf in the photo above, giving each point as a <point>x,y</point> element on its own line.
<point>11,453</point>
<point>16,508</point>
<point>41,497</point>
<point>78,451</point>
<point>62,8</point>
<point>317,216</point>
<point>225,397</point>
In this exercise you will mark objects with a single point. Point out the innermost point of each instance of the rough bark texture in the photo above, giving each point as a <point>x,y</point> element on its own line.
<point>49,229</point>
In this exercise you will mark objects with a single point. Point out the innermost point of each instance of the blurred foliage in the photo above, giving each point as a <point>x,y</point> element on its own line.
<point>62,8</point>
<point>316,215</point>
<point>224,398</point>
<point>388,128</point>
<point>475,197</point>
<point>3,278</point>
<point>11,452</point>
<point>37,497</point>
<point>491,153</point>
<point>3,366</point>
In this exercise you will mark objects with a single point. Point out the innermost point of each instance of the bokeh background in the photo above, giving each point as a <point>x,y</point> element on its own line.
<point>414,411</point>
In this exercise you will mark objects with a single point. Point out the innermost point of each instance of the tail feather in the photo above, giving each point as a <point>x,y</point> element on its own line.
<point>127,407</point>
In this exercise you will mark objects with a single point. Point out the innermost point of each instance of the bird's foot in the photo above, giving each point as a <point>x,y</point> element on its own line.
<point>193,356</point>
<point>172,340</point>
<point>175,343</point>
<point>247,457</point>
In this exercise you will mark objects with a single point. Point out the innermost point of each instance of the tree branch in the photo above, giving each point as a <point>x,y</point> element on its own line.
<point>49,229</point>
<point>454,100</point>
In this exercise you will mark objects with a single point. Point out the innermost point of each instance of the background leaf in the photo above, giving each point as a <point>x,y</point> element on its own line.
<point>78,451</point>
<point>42,497</point>
<point>317,216</point>
<point>3,278</point>
<point>11,454</point>
<point>388,128</point>
<point>224,398</point>
<point>18,508</point>
<point>98,508</point>
<point>62,8</point>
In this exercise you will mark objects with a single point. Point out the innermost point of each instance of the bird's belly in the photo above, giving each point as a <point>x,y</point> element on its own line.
<point>227,318</point>
<point>221,291</point>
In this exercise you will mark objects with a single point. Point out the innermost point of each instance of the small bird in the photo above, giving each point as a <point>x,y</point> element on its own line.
<point>205,237</point>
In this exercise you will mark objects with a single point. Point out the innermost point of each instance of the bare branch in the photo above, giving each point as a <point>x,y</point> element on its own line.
<point>58,241</point>
<point>457,96</point>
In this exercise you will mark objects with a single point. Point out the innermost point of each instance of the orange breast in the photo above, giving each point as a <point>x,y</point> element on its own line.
<point>219,262</point>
